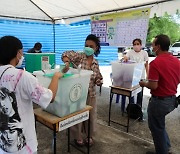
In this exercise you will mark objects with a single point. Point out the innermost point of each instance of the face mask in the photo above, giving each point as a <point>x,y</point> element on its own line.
<point>20,62</point>
<point>155,50</point>
<point>88,51</point>
<point>137,48</point>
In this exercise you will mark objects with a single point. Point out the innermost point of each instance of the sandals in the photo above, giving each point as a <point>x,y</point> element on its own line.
<point>79,143</point>
<point>91,142</point>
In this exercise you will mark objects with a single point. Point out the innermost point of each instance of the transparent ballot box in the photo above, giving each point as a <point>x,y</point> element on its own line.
<point>72,90</point>
<point>126,74</point>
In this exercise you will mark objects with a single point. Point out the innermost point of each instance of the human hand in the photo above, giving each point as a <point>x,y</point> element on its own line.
<point>58,75</point>
<point>66,68</point>
<point>125,58</point>
<point>142,83</point>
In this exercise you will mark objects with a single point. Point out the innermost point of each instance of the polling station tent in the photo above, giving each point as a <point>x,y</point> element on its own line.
<point>55,10</point>
<point>52,12</point>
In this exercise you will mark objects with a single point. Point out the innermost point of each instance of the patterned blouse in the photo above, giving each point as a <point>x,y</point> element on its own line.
<point>80,58</point>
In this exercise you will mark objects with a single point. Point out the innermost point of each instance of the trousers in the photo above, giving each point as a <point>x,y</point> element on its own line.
<point>79,130</point>
<point>157,110</point>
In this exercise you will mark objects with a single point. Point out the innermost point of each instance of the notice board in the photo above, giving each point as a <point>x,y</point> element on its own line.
<point>121,28</point>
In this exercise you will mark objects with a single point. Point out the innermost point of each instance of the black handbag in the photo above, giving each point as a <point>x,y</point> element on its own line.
<point>134,111</point>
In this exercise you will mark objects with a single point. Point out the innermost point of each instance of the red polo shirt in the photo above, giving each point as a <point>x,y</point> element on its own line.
<point>165,69</point>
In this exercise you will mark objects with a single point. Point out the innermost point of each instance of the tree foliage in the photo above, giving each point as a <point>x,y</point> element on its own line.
<point>164,25</point>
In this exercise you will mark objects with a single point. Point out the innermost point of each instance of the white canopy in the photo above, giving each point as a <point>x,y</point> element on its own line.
<point>54,10</point>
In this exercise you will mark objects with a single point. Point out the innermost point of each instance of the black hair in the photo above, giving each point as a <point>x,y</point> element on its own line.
<point>95,40</point>
<point>9,46</point>
<point>163,41</point>
<point>137,39</point>
<point>38,45</point>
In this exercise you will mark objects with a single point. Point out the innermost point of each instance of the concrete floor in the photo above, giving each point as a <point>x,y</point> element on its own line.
<point>114,139</point>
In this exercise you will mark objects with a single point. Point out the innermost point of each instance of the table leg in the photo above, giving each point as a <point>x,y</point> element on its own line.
<point>110,103</point>
<point>130,101</point>
<point>35,121</point>
<point>88,134</point>
<point>54,135</point>
<point>68,139</point>
<point>100,88</point>
<point>140,98</point>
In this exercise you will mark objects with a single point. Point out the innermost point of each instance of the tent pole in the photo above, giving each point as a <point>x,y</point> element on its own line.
<point>54,37</point>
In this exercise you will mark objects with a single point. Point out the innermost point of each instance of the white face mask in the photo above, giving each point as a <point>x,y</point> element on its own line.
<point>36,51</point>
<point>137,48</point>
<point>20,62</point>
<point>155,50</point>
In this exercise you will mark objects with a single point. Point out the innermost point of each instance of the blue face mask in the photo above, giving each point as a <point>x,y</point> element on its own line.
<point>88,51</point>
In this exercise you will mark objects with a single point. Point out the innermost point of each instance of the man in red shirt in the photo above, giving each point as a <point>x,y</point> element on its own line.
<point>163,80</point>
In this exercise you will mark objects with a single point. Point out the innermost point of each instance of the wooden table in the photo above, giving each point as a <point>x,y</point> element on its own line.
<point>58,124</point>
<point>129,92</point>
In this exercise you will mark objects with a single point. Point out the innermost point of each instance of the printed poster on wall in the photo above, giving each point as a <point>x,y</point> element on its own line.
<point>120,29</point>
<point>45,62</point>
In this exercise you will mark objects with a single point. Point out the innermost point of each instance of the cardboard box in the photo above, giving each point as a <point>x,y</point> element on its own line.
<point>72,91</point>
<point>126,74</point>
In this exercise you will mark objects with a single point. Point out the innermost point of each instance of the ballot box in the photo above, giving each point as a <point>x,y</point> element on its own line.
<point>72,90</point>
<point>126,74</point>
<point>39,61</point>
